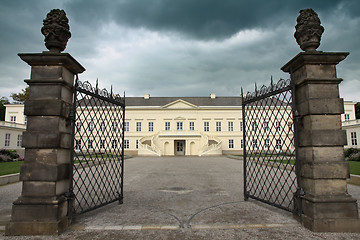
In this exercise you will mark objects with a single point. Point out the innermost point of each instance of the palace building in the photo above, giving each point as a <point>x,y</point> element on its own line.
<point>170,126</point>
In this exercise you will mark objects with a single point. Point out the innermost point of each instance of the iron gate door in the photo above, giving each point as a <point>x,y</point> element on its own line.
<point>270,165</point>
<point>97,168</point>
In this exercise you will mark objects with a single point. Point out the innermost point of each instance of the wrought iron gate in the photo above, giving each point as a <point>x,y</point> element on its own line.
<point>270,162</point>
<point>97,167</point>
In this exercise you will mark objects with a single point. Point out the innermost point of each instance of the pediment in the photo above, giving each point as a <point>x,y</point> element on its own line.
<point>180,104</point>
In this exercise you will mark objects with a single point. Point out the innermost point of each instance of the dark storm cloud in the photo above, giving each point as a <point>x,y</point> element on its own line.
<point>200,19</point>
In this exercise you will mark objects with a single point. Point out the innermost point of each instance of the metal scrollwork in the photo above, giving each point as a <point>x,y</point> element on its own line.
<point>264,90</point>
<point>86,86</point>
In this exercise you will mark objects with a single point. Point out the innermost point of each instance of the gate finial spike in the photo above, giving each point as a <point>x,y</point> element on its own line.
<point>271,82</point>
<point>111,92</point>
<point>97,86</point>
<point>255,89</point>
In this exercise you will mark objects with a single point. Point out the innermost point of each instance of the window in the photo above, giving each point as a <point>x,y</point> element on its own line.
<point>19,141</point>
<point>255,145</point>
<point>277,126</point>
<point>241,126</point>
<point>114,144</point>
<point>90,144</point>
<point>191,126</point>
<point>78,126</point>
<point>151,126</point>
<point>77,144</point>
<point>91,126</point>
<point>179,126</point>
<point>126,144</point>
<point>267,143</point>
<point>231,143</point>
<point>102,143</point>
<point>102,127</point>
<point>7,139</point>
<point>347,117</point>
<point>126,126</point>
<point>353,139</point>
<point>137,144</point>
<point>290,126</point>
<point>218,126</point>
<point>167,126</point>
<point>13,119</point>
<point>138,126</point>
<point>25,120</point>
<point>254,126</point>
<point>206,126</point>
<point>278,145</point>
<point>114,126</point>
<point>242,143</point>
<point>266,126</point>
<point>231,126</point>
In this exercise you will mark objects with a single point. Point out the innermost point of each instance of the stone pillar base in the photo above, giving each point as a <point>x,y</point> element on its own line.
<point>36,228</point>
<point>50,214</point>
<point>331,225</point>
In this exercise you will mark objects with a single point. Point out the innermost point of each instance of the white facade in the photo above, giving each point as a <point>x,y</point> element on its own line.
<point>182,128</point>
<point>12,128</point>
<point>178,126</point>
<point>351,125</point>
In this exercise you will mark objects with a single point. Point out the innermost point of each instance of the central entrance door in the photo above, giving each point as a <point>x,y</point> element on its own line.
<point>179,147</point>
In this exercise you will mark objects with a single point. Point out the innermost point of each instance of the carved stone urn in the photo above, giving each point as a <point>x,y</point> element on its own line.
<point>56,30</point>
<point>308,30</point>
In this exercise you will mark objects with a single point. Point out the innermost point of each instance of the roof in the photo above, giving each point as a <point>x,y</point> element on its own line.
<point>198,101</point>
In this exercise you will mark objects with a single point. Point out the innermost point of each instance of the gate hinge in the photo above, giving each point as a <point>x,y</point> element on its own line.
<point>70,119</point>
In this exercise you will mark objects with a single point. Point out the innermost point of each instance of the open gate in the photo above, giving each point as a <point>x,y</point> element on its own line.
<point>97,165</point>
<point>270,138</point>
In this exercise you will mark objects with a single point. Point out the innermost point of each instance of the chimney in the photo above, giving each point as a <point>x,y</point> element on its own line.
<point>146,96</point>
<point>212,95</point>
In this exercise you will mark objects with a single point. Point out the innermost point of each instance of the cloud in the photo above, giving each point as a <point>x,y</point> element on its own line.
<point>179,48</point>
<point>200,19</point>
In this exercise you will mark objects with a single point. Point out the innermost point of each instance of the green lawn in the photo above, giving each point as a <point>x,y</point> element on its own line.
<point>354,167</point>
<point>10,167</point>
<point>14,167</point>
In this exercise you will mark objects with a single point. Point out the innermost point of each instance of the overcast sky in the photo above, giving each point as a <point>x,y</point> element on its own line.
<point>179,47</point>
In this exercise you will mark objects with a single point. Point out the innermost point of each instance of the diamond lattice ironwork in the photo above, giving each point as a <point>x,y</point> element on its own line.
<point>98,151</point>
<point>270,173</point>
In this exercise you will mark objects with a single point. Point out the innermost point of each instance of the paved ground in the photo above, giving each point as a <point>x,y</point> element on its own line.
<point>182,198</point>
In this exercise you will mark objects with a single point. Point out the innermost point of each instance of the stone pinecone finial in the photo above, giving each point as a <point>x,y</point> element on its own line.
<point>56,30</point>
<point>308,30</point>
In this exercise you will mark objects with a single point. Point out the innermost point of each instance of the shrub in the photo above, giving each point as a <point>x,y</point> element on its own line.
<point>5,158</point>
<point>350,151</point>
<point>354,157</point>
<point>8,155</point>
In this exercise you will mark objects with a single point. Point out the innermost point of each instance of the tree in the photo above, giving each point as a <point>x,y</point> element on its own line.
<point>22,96</point>
<point>3,101</point>
<point>357,110</point>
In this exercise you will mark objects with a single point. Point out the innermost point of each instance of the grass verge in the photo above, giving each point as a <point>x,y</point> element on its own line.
<point>10,167</point>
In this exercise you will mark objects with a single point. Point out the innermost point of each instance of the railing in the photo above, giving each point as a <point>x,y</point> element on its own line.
<point>153,148</point>
<point>212,147</point>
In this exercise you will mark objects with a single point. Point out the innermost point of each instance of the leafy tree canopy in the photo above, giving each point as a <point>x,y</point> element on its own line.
<point>22,96</point>
<point>3,101</point>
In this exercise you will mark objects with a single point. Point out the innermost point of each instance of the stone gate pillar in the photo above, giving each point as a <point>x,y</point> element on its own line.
<point>326,204</point>
<point>42,207</point>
